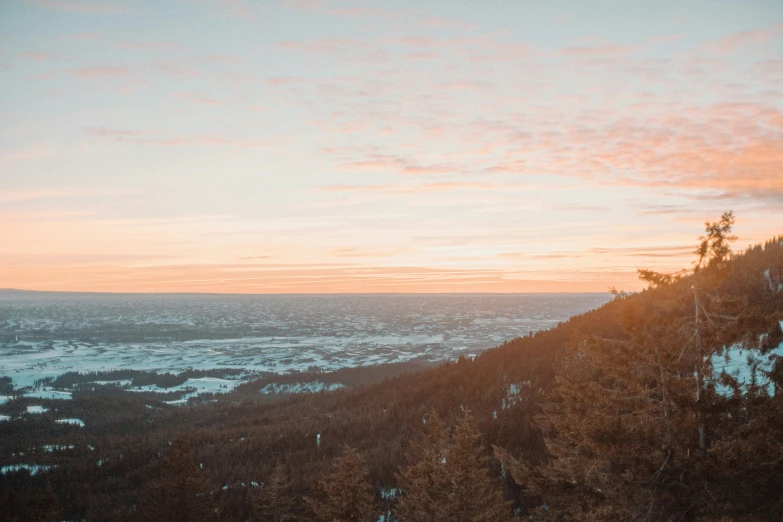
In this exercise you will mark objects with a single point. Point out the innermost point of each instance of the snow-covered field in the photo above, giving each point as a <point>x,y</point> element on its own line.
<point>47,334</point>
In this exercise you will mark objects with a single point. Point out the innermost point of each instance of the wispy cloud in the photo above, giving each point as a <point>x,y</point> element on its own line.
<point>33,194</point>
<point>101,71</point>
<point>126,274</point>
<point>663,251</point>
<point>737,41</point>
<point>599,50</point>
<point>43,216</point>
<point>37,55</point>
<point>148,46</point>
<point>442,186</point>
<point>646,251</point>
<point>115,133</point>
<point>82,36</point>
<point>398,165</point>
<point>367,252</point>
<point>199,98</point>
<point>146,137</point>
<point>664,39</point>
<point>80,7</point>
<point>325,45</point>
<point>583,208</point>
<point>26,153</point>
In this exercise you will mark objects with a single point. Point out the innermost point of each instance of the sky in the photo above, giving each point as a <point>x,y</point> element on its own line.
<point>303,146</point>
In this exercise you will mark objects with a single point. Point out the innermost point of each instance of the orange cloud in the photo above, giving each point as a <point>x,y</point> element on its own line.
<point>729,148</point>
<point>366,253</point>
<point>111,277</point>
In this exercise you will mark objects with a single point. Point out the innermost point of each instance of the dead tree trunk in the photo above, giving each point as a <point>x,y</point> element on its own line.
<point>699,376</point>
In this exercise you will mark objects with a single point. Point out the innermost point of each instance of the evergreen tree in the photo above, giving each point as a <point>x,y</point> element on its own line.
<point>450,482</point>
<point>48,504</point>
<point>714,246</point>
<point>275,502</point>
<point>634,426</point>
<point>425,485</point>
<point>181,493</point>
<point>344,495</point>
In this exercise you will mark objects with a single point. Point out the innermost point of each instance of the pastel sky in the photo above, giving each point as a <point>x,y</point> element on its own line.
<point>367,146</point>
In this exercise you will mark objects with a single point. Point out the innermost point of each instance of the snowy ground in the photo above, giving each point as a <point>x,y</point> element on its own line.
<point>747,368</point>
<point>301,387</point>
<point>32,468</point>
<point>194,387</point>
<point>45,335</point>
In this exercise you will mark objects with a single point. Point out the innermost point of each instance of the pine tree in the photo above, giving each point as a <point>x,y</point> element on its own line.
<point>181,493</point>
<point>634,426</point>
<point>344,495</point>
<point>426,486</point>
<point>714,246</point>
<point>275,503</point>
<point>47,504</point>
<point>450,482</point>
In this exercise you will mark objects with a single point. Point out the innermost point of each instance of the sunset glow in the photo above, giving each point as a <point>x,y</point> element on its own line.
<point>398,146</point>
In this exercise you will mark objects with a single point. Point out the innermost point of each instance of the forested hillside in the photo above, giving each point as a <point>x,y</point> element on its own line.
<point>638,410</point>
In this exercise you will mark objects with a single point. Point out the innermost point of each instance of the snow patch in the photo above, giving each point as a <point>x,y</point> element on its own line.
<point>773,285</point>
<point>49,393</point>
<point>51,448</point>
<point>301,387</point>
<point>32,468</point>
<point>512,394</point>
<point>749,368</point>
<point>121,383</point>
<point>75,422</point>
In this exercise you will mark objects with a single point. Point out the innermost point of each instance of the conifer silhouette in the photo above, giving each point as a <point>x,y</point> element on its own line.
<point>344,494</point>
<point>634,426</point>
<point>181,493</point>
<point>450,482</point>
<point>274,504</point>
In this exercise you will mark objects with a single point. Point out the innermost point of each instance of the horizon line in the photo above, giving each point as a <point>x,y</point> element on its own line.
<point>88,292</point>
